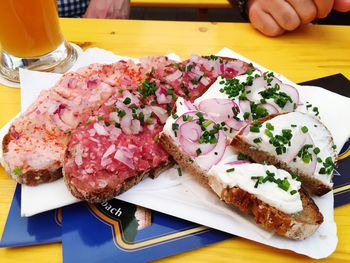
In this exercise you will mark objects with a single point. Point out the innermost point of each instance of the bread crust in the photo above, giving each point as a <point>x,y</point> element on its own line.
<point>311,184</point>
<point>296,226</point>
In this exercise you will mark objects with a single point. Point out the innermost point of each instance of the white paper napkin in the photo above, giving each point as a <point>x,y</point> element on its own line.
<point>182,196</point>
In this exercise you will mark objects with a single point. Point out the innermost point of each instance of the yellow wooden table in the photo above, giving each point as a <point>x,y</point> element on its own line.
<point>312,52</point>
<point>182,3</point>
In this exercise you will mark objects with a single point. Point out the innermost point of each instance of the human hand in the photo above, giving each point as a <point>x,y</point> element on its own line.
<point>117,9</point>
<point>274,17</point>
<point>342,5</point>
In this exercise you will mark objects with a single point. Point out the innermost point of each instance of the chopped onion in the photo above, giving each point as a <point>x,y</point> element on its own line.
<point>125,124</point>
<point>109,151</point>
<point>174,76</point>
<point>135,126</point>
<point>124,155</point>
<point>100,129</point>
<point>161,113</point>
<point>78,151</point>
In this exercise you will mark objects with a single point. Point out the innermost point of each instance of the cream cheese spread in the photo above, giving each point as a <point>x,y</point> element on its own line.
<point>245,177</point>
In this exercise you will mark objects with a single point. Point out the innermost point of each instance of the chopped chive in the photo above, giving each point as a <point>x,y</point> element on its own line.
<point>230,170</point>
<point>317,150</point>
<point>88,122</point>
<point>156,138</point>
<point>107,123</point>
<point>254,129</point>
<point>269,126</point>
<point>242,156</point>
<point>206,123</point>
<point>179,171</point>
<point>121,113</point>
<point>149,120</point>
<point>304,129</point>
<point>293,125</point>
<point>175,116</point>
<point>198,151</point>
<point>100,118</point>
<point>268,133</point>
<point>334,147</point>
<point>319,160</point>
<point>257,140</point>
<point>293,192</point>
<point>127,101</point>
<point>175,126</point>
<point>284,184</point>
<point>17,171</point>
<point>246,115</point>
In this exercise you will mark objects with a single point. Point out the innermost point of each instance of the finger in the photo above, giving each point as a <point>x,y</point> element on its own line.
<point>306,10</point>
<point>284,14</point>
<point>264,22</point>
<point>342,5</point>
<point>324,7</point>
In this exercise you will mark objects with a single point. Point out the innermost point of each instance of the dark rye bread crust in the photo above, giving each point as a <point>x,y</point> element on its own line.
<point>297,226</point>
<point>107,193</point>
<point>311,184</point>
<point>31,177</point>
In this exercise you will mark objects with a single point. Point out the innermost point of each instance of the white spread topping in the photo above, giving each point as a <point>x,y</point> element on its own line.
<point>316,135</point>
<point>287,201</point>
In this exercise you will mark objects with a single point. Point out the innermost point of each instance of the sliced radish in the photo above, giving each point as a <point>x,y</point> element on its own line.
<point>238,162</point>
<point>216,154</point>
<point>270,108</point>
<point>252,92</point>
<point>219,110</point>
<point>308,168</point>
<point>244,106</point>
<point>189,135</point>
<point>288,89</point>
<point>311,166</point>
<point>297,141</point>
<point>189,105</point>
<point>180,120</point>
<point>236,124</point>
<point>246,129</point>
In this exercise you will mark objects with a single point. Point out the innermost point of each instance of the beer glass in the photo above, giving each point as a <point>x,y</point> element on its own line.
<point>30,37</point>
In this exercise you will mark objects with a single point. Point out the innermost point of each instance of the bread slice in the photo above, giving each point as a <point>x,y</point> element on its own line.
<point>296,226</point>
<point>108,192</point>
<point>310,182</point>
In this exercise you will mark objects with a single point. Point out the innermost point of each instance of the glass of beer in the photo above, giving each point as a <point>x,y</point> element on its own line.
<point>30,37</point>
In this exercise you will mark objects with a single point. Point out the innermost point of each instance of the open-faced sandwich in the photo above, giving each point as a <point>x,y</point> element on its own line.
<point>99,123</point>
<point>296,142</point>
<point>198,137</point>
